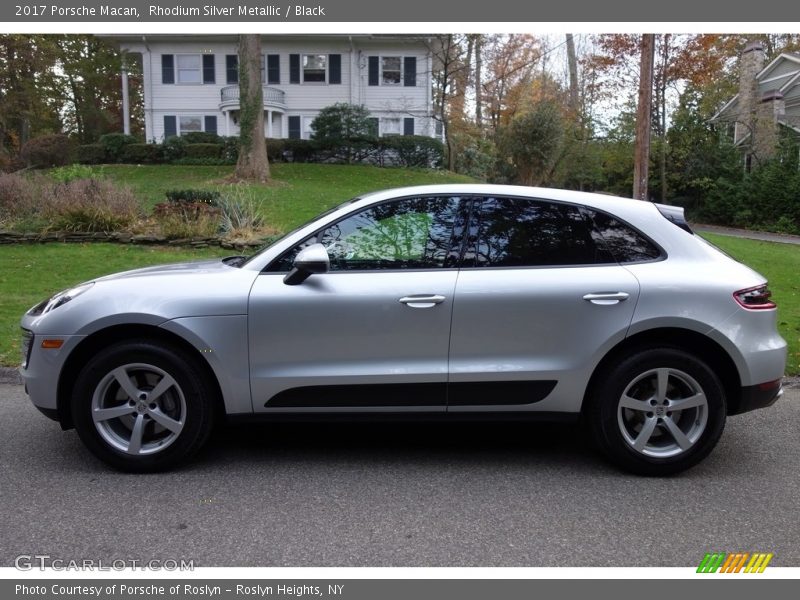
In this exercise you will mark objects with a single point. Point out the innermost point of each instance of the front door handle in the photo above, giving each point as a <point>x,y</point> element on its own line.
<point>606,298</point>
<point>422,300</point>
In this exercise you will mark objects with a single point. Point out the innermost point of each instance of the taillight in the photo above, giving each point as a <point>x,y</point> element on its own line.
<point>754,298</point>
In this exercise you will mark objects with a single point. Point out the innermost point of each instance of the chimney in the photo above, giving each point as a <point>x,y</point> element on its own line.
<point>765,124</point>
<point>751,62</point>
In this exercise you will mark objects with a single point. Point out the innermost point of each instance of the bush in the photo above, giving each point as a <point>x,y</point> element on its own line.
<point>202,137</point>
<point>193,195</point>
<point>141,153</point>
<point>203,151</point>
<point>179,220</point>
<point>230,149</point>
<point>19,197</point>
<point>174,148</point>
<point>73,172</point>
<point>300,150</point>
<point>89,205</point>
<point>240,216</point>
<point>47,151</point>
<point>275,150</point>
<point>203,162</point>
<point>91,154</point>
<point>113,143</point>
<point>415,150</point>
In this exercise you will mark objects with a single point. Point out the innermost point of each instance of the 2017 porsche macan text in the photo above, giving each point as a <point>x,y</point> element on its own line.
<point>434,302</point>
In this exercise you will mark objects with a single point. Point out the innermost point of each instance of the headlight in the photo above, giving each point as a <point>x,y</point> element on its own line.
<point>60,299</point>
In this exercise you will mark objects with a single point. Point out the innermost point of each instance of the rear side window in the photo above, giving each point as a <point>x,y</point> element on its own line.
<point>624,243</point>
<point>519,232</point>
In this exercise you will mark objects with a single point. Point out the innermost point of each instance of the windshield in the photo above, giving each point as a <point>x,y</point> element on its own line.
<point>296,229</point>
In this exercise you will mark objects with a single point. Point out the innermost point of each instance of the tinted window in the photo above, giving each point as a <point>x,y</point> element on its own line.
<point>510,232</point>
<point>416,233</point>
<point>622,241</point>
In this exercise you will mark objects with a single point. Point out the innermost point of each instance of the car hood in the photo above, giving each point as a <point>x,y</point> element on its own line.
<point>201,267</point>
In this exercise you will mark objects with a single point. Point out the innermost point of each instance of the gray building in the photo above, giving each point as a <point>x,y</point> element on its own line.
<point>768,100</point>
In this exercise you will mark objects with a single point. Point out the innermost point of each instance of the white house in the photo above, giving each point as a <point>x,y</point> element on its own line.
<point>191,82</point>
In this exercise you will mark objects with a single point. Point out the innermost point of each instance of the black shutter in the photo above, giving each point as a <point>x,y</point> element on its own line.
<point>294,128</point>
<point>373,70</point>
<point>294,68</point>
<point>410,71</point>
<point>170,126</point>
<point>335,72</point>
<point>211,124</point>
<point>372,122</point>
<point>232,68</point>
<point>273,68</point>
<point>167,68</point>
<point>408,126</point>
<point>209,73</point>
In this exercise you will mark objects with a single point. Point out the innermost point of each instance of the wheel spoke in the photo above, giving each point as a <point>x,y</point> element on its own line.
<point>135,443</point>
<point>677,434</point>
<point>165,421</point>
<point>695,401</point>
<point>663,381</point>
<point>644,435</point>
<point>124,381</point>
<point>104,414</point>
<point>634,404</point>
<point>163,385</point>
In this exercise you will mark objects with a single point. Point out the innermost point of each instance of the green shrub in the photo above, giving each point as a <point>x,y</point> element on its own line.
<point>174,148</point>
<point>202,137</point>
<point>301,150</point>
<point>230,149</point>
<point>47,151</point>
<point>113,143</point>
<point>193,195</point>
<point>275,150</point>
<point>203,162</point>
<point>203,150</point>
<point>72,172</point>
<point>415,150</point>
<point>141,153</point>
<point>90,154</point>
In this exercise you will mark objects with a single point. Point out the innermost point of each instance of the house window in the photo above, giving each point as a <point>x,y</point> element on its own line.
<point>314,68</point>
<point>308,130</point>
<point>189,68</point>
<point>189,124</point>
<point>391,126</point>
<point>391,70</point>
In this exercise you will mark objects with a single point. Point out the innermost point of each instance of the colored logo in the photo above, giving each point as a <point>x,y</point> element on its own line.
<point>734,562</point>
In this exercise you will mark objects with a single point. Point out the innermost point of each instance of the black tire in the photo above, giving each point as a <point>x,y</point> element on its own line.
<point>662,450</point>
<point>186,406</point>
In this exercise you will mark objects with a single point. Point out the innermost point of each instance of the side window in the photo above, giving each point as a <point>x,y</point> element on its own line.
<point>511,232</point>
<point>415,233</point>
<point>624,243</point>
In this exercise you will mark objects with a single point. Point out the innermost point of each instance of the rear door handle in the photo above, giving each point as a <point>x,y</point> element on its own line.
<point>606,298</point>
<point>422,300</point>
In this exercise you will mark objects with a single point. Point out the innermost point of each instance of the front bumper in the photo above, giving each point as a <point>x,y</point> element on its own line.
<point>758,396</point>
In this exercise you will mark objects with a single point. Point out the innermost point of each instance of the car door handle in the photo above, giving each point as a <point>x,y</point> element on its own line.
<point>606,298</point>
<point>422,300</point>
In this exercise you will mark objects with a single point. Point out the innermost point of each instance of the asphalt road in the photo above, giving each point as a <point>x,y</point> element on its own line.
<point>399,495</point>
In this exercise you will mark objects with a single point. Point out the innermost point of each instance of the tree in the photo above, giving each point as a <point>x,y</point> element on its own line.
<point>533,141</point>
<point>643,108</point>
<point>252,164</point>
<point>342,129</point>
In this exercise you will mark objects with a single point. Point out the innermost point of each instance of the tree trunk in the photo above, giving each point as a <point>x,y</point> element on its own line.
<point>663,116</point>
<point>252,164</point>
<point>642,145</point>
<point>572,61</point>
<point>478,82</point>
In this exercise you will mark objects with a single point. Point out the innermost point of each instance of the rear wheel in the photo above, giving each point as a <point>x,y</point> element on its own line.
<point>142,406</point>
<point>658,411</point>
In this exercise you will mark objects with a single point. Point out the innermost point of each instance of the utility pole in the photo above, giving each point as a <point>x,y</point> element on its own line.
<point>641,148</point>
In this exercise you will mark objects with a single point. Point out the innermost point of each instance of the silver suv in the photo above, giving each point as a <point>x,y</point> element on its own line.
<point>436,301</point>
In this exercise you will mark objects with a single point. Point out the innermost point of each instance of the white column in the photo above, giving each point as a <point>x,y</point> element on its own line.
<point>269,124</point>
<point>126,108</point>
<point>227,114</point>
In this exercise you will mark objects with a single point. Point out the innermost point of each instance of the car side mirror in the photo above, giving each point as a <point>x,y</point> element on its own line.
<point>309,261</point>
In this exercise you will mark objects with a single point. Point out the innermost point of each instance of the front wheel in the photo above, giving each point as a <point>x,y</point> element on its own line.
<point>142,406</point>
<point>658,411</point>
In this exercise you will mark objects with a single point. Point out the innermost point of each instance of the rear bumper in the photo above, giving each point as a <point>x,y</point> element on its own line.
<point>758,396</point>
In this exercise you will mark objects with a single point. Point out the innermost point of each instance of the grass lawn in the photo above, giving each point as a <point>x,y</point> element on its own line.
<point>298,191</point>
<point>780,264</point>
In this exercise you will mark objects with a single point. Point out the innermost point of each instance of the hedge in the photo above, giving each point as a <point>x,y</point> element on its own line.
<point>114,143</point>
<point>47,151</point>
<point>203,150</point>
<point>90,154</point>
<point>141,153</point>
